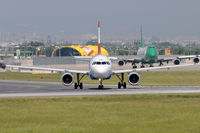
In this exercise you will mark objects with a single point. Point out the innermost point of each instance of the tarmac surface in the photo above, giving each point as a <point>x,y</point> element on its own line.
<point>12,88</point>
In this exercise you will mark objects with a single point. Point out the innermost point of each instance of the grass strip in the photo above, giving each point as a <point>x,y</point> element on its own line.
<point>108,114</point>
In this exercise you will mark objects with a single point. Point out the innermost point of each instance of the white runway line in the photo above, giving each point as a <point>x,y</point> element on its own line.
<point>99,93</point>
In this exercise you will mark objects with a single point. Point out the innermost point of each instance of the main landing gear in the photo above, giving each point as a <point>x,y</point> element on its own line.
<point>151,65</point>
<point>134,66</point>
<point>142,66</point>
<point>121,83</point>
<point>160,63</point>
<point>78,83</point>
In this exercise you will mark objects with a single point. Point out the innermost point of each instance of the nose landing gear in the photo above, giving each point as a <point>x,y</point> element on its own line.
<point>101,84</point>
<point>100,87</point>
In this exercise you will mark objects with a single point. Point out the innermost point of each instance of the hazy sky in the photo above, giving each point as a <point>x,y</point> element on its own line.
<point>121,17</point>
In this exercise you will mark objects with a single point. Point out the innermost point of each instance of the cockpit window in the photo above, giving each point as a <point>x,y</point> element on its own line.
<point>101,63</point>
<point>108,63</point>
<point>94,63</point>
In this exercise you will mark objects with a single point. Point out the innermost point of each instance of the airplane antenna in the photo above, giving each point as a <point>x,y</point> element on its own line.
<point>142,43</point>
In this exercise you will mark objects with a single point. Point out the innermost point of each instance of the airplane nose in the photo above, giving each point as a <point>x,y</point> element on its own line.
<point>103,72</point>
<point>153,54</point>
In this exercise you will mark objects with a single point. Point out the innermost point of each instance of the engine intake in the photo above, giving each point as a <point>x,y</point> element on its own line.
<point>121,63</point>
<point>176,62</point>
<point>2,65</point>
<point>67,79</point>
<point>133,78</point>
<point>196,60</point>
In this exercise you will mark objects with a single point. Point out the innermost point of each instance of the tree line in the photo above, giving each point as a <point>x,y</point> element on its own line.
<point>128,48</point>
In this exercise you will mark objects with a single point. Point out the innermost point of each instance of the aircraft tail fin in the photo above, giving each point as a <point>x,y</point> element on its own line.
<point>99,46</point>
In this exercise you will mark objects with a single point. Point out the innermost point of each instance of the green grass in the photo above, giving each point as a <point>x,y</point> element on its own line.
<point>166,78</point>
<point>171,78</point>
<point>101,114</point>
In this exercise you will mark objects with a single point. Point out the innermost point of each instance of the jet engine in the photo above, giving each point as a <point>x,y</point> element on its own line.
<point>67,79</point>
<point>121,63</point>
<point>177,62</point>
<point>133,78</point>
<point>196,60</point>
<point>2,65</point>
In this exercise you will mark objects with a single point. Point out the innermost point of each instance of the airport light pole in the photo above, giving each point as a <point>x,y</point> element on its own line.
<point>59,51</point>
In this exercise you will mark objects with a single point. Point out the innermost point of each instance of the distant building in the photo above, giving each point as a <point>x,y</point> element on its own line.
<point>78,50</point>
<point>168,51</point>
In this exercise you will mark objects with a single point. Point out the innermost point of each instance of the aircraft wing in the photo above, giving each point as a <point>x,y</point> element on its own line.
<point>133,60</point>
<point>121,62</point>
<point>49,69</point>
<point>177,57</point>
<point>148,68</point>
<point>187,56</point>
<point>161,59</point>
<point>173,58</point>
<point>87,58</point>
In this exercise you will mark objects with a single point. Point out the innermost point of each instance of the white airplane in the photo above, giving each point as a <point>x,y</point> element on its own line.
<point>100,68</point>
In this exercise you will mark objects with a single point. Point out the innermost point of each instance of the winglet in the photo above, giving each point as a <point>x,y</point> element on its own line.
<point>99,46</point>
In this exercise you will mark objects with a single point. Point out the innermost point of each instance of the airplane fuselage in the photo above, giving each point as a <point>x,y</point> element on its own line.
<point>100,67</point>
<point>148,54</point>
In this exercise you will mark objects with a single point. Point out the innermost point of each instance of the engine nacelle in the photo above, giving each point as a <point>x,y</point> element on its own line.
<point>2,65</point>
<point>121,63</point>
<point>67,79</point>
<point>196,60</point>
<point>133,78</point>
<point>177,62</point>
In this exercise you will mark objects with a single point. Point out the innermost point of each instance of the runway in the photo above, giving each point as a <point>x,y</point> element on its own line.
<point>11,88</point>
